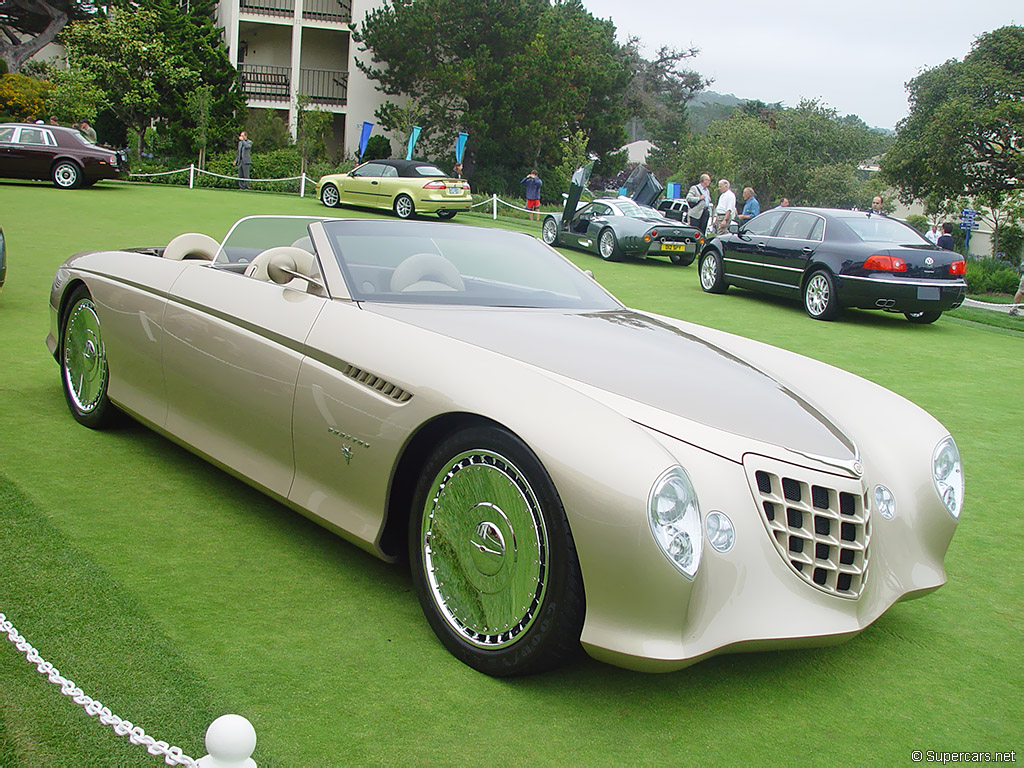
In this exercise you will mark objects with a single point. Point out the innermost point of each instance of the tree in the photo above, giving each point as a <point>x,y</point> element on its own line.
<point>314,126</point>
<point>128,60</point>
<point>965,131</point>
<point>74,97</point>
<point>198,103</point>
<point>26,26</point>
<point>517,75</point>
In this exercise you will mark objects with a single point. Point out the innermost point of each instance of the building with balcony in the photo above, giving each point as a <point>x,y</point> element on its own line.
<point>283,48</point>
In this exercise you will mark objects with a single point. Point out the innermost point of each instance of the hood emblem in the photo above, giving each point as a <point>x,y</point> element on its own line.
<point>858,468</point>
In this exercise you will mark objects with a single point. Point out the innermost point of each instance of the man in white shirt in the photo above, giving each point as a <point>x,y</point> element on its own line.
<point>933,234</point>
<point>725,211</point>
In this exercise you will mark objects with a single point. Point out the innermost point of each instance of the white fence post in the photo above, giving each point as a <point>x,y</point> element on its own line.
<point>191,175</point>
<point>494,206</point>
<point>230,741</point>
<point>302,185</point>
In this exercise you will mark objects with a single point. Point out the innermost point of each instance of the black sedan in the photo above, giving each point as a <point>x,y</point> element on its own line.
<point>834,259</point>
<point>62,155</point>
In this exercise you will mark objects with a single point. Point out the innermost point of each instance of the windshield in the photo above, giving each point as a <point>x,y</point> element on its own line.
<point>434,263</point>
<point>881,229</point>
<point>254,234</point>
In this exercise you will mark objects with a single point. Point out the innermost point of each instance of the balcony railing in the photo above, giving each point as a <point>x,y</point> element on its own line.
<point>324,86</point>
<point>312,10</point>
<point>260,81</point>
<point>268,7</point>
<point>326,10</point>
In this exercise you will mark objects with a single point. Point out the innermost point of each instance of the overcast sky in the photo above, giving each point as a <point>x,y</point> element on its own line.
<point>854,57</point>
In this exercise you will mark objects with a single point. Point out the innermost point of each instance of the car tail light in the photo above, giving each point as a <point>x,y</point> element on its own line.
<point>434,185</point>
<point>654,233</point>
<point>465,185</point>
<point>958,267</point>
<point>880,263</point>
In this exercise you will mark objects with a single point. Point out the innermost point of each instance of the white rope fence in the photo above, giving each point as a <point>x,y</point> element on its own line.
<point>991,306</point>
<point>230,739</point>
<point>193,171</point>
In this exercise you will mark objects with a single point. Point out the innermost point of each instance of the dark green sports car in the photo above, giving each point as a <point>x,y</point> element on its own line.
<point>622,226</point>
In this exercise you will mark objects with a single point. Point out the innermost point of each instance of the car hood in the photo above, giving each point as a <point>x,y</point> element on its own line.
<point>644,359</point>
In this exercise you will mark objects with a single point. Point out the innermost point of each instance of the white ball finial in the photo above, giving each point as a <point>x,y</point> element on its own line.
<point>230,740</point>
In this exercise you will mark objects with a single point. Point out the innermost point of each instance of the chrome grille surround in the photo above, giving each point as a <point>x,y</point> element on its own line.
<point>819,522</point>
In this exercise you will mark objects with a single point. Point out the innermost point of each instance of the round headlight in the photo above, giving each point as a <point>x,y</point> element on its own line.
<point>720,531</point>
<point>948,476</point>
<point>885,502</point>
<point>674,515</point>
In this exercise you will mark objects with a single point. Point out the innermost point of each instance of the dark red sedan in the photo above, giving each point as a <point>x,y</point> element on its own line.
<point>62,155</point>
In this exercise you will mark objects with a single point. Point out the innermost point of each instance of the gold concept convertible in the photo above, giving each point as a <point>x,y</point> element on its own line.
<point>560,470</point>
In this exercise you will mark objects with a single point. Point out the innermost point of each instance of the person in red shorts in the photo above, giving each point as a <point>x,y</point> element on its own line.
<point>533,184</point>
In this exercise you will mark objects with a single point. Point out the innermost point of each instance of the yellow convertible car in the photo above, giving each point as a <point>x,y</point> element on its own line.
<point>407,187</point>
<point>561,471</point>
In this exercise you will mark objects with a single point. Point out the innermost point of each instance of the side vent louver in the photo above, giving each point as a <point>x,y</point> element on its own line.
<point>377,384</point>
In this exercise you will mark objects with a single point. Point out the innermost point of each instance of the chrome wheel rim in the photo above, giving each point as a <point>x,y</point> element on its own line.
<point>549,232</point>
<point>607,244</point>
<point>330,196</point>
<point>65,175</point>
<point>85,359</point>
<point>817,295</point>
<point>708,272</point>
<point>403,207</point>
<point>485,549</point>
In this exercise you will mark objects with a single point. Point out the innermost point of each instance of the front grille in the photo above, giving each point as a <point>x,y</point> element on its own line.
<point>817,521</point>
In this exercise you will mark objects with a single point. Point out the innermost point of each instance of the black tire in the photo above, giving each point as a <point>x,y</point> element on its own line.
<point>922,318</point>
<point>330,196</point>
<point>404,207</point>
<point>446,215</point>
<point>711,272</point>
<point>821,301</point>
<point>608,245</point>
<point>549,231</point>
<point>66,174</point>
<point>681,259</point>
<point>488,532</point>
<point>84,373</point>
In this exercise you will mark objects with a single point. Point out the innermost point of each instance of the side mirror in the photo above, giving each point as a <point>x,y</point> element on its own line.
<point>734,227</point>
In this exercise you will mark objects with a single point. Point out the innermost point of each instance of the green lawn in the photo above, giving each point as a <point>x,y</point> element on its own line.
<point>174,593</point>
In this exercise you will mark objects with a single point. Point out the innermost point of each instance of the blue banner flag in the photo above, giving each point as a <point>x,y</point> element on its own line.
<point>412,141</point>
<point>364,137</point>
<point>460,146</point>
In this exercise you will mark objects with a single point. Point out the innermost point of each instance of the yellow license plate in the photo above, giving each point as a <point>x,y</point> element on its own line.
<point>673,246</point>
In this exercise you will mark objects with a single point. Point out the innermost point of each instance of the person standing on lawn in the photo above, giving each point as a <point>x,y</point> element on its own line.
<point>243,159</point>
<point>698,202</point>
<point>946,238</point>
<point>533,184</point>
<point>751,207</point>
<point>725,211</point>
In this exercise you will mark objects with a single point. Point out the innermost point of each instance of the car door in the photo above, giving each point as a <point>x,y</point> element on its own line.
<point>31,154</point>
<point>232,350</point>
<point>6,155</point>
<point>796,247</point>
<point>362,185</point>
<point>749,252</point>
<point>584,227</point>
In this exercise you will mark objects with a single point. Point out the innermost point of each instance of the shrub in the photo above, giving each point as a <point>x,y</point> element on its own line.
<point>919,222</point>
<point>377,148</point>
<point>22,98</point>
<point>990,276</point>
<point>1011,242</point>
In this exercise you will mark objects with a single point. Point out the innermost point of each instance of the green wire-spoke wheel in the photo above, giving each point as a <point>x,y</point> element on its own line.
<point>492,555</point>
<point>83,362</point>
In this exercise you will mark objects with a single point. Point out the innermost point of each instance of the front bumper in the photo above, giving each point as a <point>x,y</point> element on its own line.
<point>900,295</point>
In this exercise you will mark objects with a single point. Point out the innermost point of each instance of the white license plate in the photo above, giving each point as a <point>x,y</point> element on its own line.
<point>928,293</point>
<point>454,190</point>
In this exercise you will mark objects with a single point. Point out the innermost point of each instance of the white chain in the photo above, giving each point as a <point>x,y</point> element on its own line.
<point>93,708</point>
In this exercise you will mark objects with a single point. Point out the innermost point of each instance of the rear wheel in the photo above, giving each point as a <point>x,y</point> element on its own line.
<point>493,561</point>
<point>608,245</point>
<point>404,207</point>
<point>712,279</point>
<point>329,196</point>
<point>446,215</point>
<point>83,362</point>
<point>820,299</point>
<point>67,175</point>
<point>922,318</point>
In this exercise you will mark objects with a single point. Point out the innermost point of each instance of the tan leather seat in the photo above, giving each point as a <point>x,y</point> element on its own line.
<point>426,272</point>
<point>192,245</point>
<point>287,257</point>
